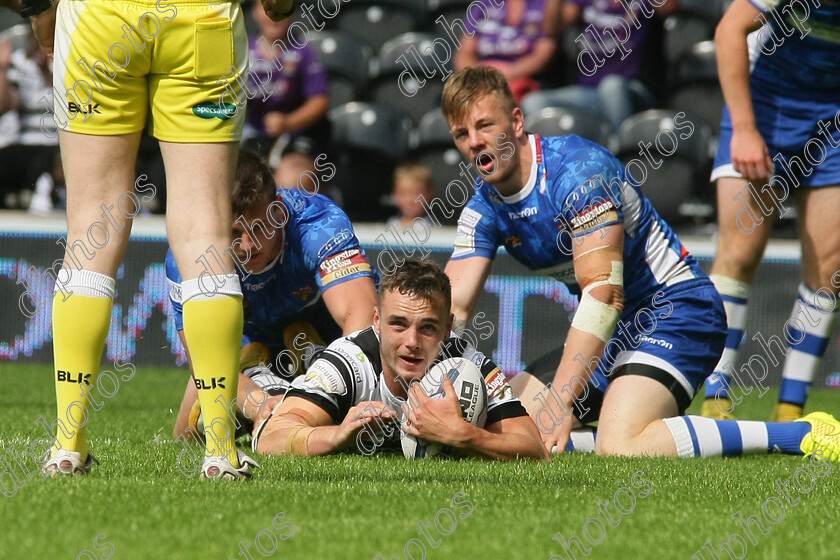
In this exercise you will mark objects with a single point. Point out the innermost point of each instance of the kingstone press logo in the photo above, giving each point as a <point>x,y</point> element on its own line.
<point>213,110</point>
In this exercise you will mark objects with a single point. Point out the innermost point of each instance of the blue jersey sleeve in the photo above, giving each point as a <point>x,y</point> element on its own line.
<point>330,247</point>
<point>591,184</point>
<point>477,234</point>
<point>173,278</point>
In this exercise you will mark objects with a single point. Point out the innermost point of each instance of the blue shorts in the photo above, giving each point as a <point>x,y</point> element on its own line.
<point>790,127</point>
<point>678,342</point>
<point>280,344</point>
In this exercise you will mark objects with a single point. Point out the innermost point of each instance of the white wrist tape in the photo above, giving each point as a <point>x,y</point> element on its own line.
<point>594,316</point>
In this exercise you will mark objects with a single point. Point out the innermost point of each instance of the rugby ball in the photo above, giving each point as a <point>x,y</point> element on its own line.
<point>470,389</point>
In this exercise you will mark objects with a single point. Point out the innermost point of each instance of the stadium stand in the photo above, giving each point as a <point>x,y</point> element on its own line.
<point>377,21</point>
<point>393,84</point>
<point>449,9</point>
<point>347,60</point>
<point>682,30</point>
<point>436,149</point>
<point>557,121</point>
<point>683,168</point>
<point>369,140</point>
<point>361,45</point>
<point>712,10</point>
<point>17,34</point>
<point>644,127</point>
<point>695,84</point>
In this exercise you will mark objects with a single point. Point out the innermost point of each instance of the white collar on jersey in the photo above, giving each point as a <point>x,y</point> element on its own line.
<point>532,176</point>
<point>280,255</point>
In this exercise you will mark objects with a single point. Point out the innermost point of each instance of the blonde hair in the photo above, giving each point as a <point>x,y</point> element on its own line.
<point>466,86</point>
<point>414,170</point>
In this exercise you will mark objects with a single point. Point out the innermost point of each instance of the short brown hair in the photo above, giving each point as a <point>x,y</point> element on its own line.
<point>253,183</point>
<point>466,86</point>
<point>418,278</point>
<point>416,170</point>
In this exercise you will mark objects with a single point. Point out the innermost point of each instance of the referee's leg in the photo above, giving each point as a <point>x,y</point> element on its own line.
<point>98,169</point>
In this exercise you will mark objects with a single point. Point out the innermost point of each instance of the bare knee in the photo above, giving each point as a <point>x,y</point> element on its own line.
<point>823,275</point>
<point>739,258</point>
<point>611,445</point>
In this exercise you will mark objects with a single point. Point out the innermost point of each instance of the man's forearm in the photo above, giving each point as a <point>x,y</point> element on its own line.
<point>580,359</point>
<point>292,437</point>
<point>734,72</point>
<point>506,446</point>
<point>309,113</point>
<point>533,63</point>
<point>359,316</point>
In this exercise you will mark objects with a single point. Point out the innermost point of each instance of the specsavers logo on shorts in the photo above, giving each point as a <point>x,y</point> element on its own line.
<point>210,110</point>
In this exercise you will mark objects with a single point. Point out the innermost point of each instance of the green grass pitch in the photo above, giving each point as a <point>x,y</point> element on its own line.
<point>347,507</point>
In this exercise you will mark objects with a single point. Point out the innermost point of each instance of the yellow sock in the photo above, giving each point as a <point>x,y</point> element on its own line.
<point>213,331</point>
<point>80,327</point>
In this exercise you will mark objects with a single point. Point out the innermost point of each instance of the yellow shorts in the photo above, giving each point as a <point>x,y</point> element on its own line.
<point>117,60</point>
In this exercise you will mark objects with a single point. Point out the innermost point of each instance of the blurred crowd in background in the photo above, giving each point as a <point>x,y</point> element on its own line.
<point>362,89</point>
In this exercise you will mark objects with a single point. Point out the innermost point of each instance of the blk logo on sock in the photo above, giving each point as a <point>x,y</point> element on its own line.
<point>70,377</point>
<point>214,383</point>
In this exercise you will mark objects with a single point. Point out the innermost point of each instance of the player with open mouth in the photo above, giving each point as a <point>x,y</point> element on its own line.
<point>561,206</point>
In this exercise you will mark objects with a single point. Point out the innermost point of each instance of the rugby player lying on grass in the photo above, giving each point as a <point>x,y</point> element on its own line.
<point>309,283</point>
<point>363,381</point>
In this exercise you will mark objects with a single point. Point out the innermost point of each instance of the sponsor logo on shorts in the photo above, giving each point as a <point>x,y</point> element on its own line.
<point>657,341</point>
<point>86,109</point>
<point>210,110</point>
<point>174,291</point>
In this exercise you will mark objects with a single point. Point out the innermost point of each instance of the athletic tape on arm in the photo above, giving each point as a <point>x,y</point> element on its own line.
<point>594,316</point>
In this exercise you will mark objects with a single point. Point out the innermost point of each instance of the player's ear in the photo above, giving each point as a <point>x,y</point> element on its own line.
<point>449,323</point>
<point>518,122</point>
<point>376,319</point>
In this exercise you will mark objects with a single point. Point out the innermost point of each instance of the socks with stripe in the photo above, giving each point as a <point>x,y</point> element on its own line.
<point>81,316</point>
<point>735,295</point>
<point>213,331</point>
<point>581,440</point>
<point>808,333</point>
<point>696,436</point>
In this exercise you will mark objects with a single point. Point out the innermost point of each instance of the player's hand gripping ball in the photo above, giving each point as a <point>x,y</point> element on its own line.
<point>471,391</point>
